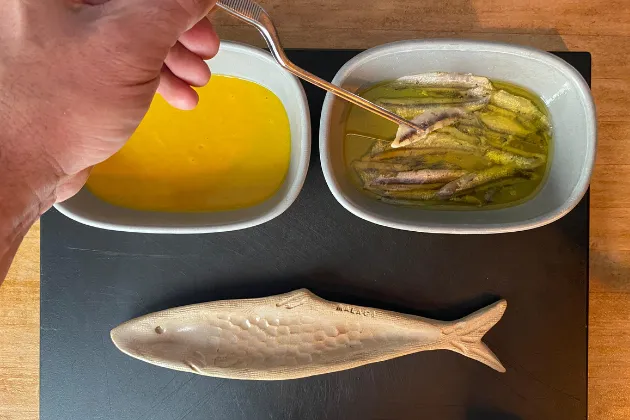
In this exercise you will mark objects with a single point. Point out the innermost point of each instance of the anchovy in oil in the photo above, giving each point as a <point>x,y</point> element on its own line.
<point>472,180</point>
<point>496,141</point>
<point>445,80</point>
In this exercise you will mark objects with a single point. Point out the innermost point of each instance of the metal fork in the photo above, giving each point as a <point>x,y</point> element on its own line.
<point>255,15</point>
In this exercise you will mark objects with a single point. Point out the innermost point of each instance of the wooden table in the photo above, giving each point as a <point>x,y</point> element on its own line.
<point>599,26</point>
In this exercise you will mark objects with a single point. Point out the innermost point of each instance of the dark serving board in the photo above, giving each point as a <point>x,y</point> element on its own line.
<point>92,280</point>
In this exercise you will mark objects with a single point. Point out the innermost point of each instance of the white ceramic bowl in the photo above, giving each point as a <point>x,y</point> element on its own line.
<point>247,63</point>
<point>560,86</point>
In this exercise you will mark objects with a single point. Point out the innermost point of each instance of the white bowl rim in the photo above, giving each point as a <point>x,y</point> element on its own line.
<point>454,44</point>
<point>281,207</point>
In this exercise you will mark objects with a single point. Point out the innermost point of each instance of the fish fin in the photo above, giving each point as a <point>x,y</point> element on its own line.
<point>464,336</point>
<point>295,298</point>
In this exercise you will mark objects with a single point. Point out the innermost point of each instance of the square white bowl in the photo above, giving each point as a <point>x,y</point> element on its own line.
<point>561,87</point>
<point>247,63</point>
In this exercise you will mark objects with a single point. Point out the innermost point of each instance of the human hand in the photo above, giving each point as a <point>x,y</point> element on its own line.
<point>77,77</point>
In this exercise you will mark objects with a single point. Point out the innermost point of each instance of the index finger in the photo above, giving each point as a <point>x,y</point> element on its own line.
<point>201,39</point>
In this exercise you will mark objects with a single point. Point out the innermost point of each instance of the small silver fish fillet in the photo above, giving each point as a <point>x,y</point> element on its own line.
<point>429,121</point>
<point>295,335</point>
<point>518,105</point>
<point>506,158</point>
<point>472,180</point>
<point>445,80</point>
<point>410,110</point>
<point>420,176</point>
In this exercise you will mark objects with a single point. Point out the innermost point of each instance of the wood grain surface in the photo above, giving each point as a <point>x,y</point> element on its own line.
<point>601,27</point>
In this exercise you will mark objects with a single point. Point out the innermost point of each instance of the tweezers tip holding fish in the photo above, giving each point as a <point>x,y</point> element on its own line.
<point>295,335</point>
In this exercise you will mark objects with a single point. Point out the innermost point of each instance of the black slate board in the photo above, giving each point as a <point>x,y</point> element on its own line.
<point>92,280</point>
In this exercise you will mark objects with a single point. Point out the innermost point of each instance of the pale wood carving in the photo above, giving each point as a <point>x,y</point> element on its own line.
<point>295,335</point>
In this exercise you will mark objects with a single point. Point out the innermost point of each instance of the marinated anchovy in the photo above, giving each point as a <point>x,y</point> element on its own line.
<point>441,165</point>
<point>507,158</point>
<point>472,180</point>
<point>417,194</point>
<point>429,121</point>
<point>460,135</point>
<point>410,108</point>
<point>382,189</point>
<point>520,149</point>
<point>505,182</point>
<point>422,176</point>
<point>447,141</point>
<point>379,146</point>
<point>409,112</point>
<point>444,80</point>
<point>482,143</point>
<point>503,124</point>
<point>518,105</point>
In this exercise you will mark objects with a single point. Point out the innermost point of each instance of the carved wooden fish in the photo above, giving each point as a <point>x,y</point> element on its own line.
<point>295,335</point>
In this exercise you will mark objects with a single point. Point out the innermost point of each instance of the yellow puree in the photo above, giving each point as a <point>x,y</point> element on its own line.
<point>232,151</point>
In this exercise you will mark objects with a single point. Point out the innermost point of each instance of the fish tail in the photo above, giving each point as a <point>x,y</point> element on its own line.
<point>464,336</point>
